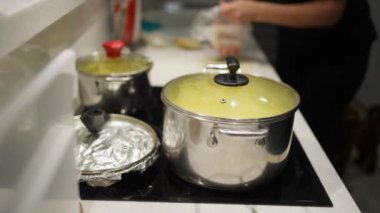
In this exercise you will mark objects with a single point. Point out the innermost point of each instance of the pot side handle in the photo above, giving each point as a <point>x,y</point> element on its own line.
<point>246,133</point>
<point>117,78</point>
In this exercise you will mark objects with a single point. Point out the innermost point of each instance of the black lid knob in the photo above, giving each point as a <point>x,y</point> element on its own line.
<point>94,119</point>
<point>231,79</point>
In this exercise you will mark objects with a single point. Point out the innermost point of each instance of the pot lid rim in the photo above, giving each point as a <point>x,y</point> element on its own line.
<point>179,109</point>
<point>238,120</point>
<point>120,74</point>
<point>98,54</point>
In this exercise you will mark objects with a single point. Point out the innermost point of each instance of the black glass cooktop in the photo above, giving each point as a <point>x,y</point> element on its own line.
<point>298,184</point>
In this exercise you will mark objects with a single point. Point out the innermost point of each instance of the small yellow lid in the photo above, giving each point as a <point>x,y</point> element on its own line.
<point>100,65</point>
<point>113,62</point>
<point>259,98</point>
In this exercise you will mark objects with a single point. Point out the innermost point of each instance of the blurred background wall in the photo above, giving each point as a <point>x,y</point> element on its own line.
<point>369,93</point>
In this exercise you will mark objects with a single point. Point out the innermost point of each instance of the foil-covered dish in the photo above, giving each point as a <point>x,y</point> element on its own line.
<point>106,151</point>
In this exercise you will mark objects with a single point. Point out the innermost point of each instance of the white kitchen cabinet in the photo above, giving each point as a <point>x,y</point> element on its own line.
<point>36,143</point>
<point>39,42</point>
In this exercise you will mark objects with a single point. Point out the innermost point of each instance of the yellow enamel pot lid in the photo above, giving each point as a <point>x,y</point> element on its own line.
<point>258,98</point>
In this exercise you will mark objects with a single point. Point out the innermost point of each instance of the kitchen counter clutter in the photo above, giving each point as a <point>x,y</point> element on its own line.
<point>171,61</point>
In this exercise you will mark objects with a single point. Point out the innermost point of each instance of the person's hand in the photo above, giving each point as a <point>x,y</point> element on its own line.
<point>240,11</point>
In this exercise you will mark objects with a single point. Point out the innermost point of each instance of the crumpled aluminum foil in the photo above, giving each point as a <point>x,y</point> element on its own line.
<point>125,144</point>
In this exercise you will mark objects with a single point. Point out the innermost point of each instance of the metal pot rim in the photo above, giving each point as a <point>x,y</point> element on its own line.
<point>262,120</point>
<point>126,74</point>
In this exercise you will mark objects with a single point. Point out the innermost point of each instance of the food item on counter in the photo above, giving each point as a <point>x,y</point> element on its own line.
<point>188,43</point>
<point>157,39</point>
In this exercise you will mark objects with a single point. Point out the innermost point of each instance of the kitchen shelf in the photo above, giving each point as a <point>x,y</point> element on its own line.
<point>22,19</point>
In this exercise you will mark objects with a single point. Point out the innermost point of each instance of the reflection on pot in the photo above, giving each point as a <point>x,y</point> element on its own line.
<point>234,162</point>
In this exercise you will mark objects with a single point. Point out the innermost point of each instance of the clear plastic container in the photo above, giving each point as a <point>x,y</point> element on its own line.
<point>210,26</point>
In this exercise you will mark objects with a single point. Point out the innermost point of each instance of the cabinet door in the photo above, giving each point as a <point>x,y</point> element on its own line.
<point>37,171</point>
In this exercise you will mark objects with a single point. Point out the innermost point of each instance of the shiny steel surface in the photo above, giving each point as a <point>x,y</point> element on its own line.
<point>124,93</point>
<point>226,154</point>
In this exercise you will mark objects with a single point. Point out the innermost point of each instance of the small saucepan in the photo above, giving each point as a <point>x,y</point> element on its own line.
<point>114,81</point>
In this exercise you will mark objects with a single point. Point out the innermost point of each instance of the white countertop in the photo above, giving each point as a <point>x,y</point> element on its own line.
<point>171,62</point>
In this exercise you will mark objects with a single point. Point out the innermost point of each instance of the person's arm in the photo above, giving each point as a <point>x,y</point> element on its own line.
<point>317,13</point>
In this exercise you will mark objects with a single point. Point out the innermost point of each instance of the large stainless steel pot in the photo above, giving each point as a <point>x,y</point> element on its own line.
<point>234,143</point>
<point>115,82</point>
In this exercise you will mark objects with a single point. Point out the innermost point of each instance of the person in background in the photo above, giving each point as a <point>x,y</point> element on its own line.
<point>323,50</point>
